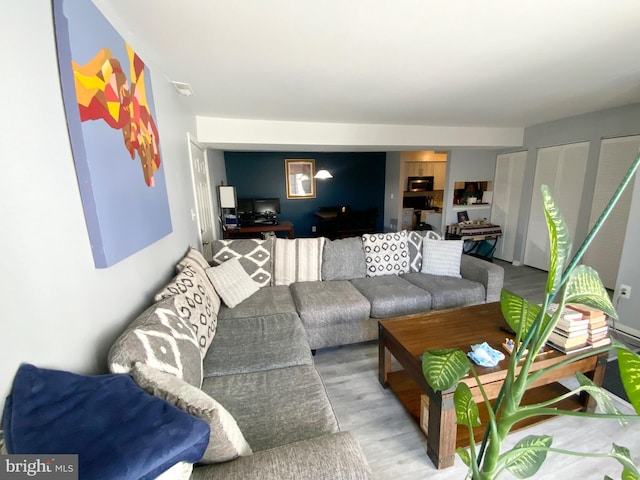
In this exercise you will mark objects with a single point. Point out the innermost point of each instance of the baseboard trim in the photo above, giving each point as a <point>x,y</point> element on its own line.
<point>627,331</point>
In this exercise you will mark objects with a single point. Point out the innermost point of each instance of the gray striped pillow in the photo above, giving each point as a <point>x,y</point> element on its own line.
<point>298,260</point>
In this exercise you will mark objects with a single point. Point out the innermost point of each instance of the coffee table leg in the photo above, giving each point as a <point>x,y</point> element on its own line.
<point>597,376</point>
<point>441,437</point>
<point>384,360</point>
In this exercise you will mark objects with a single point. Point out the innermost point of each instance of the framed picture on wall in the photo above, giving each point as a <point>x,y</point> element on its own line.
<point>299,174</point>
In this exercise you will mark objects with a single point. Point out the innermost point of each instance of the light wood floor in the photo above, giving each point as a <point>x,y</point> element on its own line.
<point>395,446</point>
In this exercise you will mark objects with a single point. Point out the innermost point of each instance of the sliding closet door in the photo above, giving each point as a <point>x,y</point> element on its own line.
<point>505,209</point>
<point>616,156</point>
<point>562,169</point>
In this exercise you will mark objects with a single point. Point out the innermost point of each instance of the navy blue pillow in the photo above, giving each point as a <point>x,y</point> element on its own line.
<point>116,428</point>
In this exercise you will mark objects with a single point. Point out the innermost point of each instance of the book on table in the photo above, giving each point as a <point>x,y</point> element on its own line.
<point>567,342</point>
<point>566,314</point>
<point>586,310</point>
<point>569,350</point>
<point>600,343</point>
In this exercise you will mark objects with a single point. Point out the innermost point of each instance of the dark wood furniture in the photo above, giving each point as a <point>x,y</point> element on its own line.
<point>342,222</point>
<point>256,231</point>
<point>406,338</point>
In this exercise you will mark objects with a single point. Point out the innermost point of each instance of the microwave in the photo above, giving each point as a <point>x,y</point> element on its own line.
<point>420,184</point>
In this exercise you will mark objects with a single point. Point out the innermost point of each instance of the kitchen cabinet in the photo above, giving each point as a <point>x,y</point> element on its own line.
<point>437,170</point>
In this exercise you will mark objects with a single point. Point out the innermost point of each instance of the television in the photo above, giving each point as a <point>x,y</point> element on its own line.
<point>245,205</point>
<point>266,205</point>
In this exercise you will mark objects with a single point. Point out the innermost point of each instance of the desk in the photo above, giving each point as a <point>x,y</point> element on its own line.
<point>473,236</point>
<point>256,230</point>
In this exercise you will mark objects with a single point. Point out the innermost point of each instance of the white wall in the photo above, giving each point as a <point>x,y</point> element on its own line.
<point>58,310</point>
<point>467,165</point>
<point>592,127</point>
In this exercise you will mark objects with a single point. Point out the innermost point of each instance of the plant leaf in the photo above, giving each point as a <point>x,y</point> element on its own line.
<point>559,240</point>
<point>629,475</point>
<point>530,453</point>
<point>466,409</point>
<point>444,368</point>
<point>519,313</point>
<point>463,453</point>
<point>629,364</point>
<point>623,456</point>
<point>584,286</point>
<point>600,396</point>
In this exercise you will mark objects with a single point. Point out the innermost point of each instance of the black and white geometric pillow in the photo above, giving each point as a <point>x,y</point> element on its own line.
<point>195,303</point>
<point>161,338</point>
<point>386,253</point>
<point>255,255</point>
<point>414,242</point>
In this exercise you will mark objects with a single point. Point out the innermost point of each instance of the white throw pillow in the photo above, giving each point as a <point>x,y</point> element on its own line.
<point>226,441</point>
<point>441,257</point>
<point>232,282</point>
<point>297,260</point>
<point>386,253</point>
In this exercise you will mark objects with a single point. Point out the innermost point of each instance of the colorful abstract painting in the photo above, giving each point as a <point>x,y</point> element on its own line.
<point>115,142</point>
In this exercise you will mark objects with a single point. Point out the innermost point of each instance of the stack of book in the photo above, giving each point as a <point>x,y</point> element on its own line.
<point>571,333</point>
<point>598,334</point>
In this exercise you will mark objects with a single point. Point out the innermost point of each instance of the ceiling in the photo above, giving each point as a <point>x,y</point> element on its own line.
<point>491,63</point>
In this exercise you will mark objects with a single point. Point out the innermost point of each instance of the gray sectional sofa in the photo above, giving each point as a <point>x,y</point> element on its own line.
<point>232,342</point>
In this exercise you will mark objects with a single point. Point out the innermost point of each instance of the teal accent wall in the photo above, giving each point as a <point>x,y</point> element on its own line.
<point>358,180</point>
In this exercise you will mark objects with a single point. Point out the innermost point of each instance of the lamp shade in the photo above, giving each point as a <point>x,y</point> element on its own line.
<point>323,174</point>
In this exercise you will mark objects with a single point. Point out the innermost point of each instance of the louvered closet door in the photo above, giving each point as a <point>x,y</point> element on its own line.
<point>562,168</point>
<point>616,156</point>
<point>505,208</point>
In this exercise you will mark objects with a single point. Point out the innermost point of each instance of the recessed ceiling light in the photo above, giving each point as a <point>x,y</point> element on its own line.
<point>183,88</point>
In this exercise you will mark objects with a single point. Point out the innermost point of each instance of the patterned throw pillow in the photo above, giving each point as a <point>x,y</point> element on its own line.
<point>414,243</point>
<point>226,441</point>
<point>386,253</point>
<point>161,338</point>
<point>255,256</point>
<point>442,257</point>
<point>193,256</point>
<point>232,282</point>
<point>297,260</point>
<point>196,301</point>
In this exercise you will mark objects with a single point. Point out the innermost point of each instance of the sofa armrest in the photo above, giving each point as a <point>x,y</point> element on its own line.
<point>486,273</point>
<point>332,457</point>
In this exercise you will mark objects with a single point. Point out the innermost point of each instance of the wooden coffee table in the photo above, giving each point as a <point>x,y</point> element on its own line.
<point>407,337</point>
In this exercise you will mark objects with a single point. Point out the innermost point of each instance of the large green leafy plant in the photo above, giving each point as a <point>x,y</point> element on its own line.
<point>568,281</point>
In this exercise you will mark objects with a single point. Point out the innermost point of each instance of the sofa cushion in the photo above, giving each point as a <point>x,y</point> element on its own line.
<point>255,255</point>
<point>117,430</point>
<point>232,282</point>
<point>343,259</point>
<point>386,253</point>
<point>257,343</point>
<point>448,292</point>
<point>297,260</point>
<point>441,257</point>
<point>193,256</point>
<point>391,296</point>
<point>161,338</point>
<point>336,456</point>
<point>226,441</point>
<point>195,302</point>
<point>266,301</point>
<point>275,407</point>
<point>328,303</point>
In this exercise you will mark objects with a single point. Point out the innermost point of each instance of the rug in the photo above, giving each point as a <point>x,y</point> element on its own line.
<point>612,381</point>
